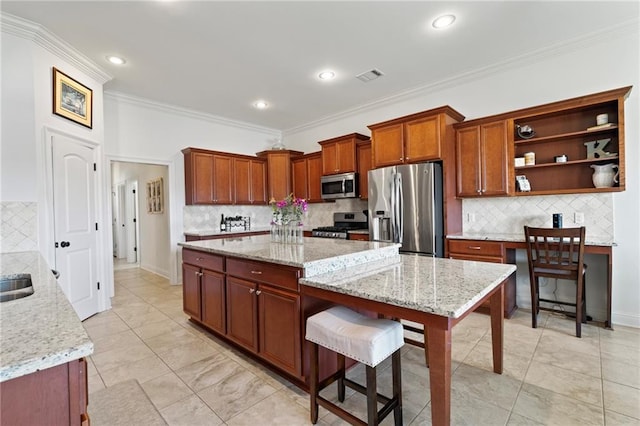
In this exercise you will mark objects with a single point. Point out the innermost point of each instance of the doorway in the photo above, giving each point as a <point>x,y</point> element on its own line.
<point>125,224</point>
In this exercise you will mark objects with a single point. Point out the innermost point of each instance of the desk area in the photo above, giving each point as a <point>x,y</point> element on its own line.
<point>504,252</point>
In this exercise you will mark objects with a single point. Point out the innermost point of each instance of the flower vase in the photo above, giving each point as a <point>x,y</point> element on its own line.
<point>276,233</point>
<point>298,233</point>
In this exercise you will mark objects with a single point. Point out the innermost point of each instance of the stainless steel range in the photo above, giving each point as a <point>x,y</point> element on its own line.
<point>342,224</point>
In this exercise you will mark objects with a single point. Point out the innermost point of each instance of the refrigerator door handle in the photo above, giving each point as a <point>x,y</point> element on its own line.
<point>393,201</point>
<point>400,217</point>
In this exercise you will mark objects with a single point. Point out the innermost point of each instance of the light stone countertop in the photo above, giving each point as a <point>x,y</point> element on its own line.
<point>234,231</point>
<point>444,287</point>
<point>590,241</point>
<point>38,331</point>
<point>315,256</point>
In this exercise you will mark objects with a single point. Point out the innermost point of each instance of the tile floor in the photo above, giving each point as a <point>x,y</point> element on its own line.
<point>550,376</point>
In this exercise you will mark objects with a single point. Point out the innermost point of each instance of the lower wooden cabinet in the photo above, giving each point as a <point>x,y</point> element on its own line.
<point>213,306</point>
<point>54,396</point>
<point>242,313</point>
<point>487,251</point>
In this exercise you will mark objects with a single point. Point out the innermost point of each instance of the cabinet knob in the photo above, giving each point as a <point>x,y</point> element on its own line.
<point>256,272</point>
<point>252,290</point>
<point>258,293</point>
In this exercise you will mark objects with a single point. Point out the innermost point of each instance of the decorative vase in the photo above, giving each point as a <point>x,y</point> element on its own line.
<point>276,233</point>
<point>288,233</point>
<point>605,176</point>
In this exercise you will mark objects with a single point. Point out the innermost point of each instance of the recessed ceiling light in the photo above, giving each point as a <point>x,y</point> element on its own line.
<point>326,75</point>
<point>116,60</point>
<point>443,21</point>
<point>260,104</point>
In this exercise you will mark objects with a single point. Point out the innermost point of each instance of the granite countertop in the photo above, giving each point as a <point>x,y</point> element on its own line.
<point>590,241</point>
<point>444,287</point>
<point>234,231</point>
<point>39,331</point>
<point>315,256</point>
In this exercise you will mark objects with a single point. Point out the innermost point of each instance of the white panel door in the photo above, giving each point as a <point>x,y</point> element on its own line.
<point>74,199</point>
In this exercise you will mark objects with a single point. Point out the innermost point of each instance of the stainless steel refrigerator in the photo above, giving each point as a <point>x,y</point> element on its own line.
<point>406,207</point>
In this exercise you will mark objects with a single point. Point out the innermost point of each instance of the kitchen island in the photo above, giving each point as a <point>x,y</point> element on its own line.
<point>43,346</point>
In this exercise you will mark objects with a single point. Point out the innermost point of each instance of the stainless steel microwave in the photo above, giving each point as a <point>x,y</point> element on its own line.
<point>344,185</point>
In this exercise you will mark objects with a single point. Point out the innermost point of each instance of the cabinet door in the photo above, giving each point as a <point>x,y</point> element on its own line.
<point>280,328</point>
<point>299,173</point>
<point>202,178</point>
<point>279,176</point>
<point>242,313</point>
<point>422,139</point>
<point>314,172</point>
<point>191,290</point>
<point>213,300</point>
<point>387,145</point>
<point>330,164</point>
<point>258,182</point>
<point>493,137</point>
<point>242,182</point>
<point>364,165</point>
<point>468,161</point>
<point>346,156</point>
<point>222,179</point>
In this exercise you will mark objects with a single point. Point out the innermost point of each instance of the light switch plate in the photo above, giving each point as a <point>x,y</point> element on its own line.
<point>578,218</point>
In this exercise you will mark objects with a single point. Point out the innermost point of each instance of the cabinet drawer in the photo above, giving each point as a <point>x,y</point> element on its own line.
<point>475,247</point>
<point>278,275</point>
<point>209,261</point>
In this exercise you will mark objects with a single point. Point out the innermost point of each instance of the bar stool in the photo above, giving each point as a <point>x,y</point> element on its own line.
<point>363,339</point>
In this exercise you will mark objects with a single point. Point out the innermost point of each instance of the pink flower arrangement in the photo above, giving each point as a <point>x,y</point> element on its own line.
<point>291,209</point>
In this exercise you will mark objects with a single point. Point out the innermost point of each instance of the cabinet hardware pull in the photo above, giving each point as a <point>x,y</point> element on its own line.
<point>256,272</point>
<point>258,293</point>
<point>474,247</point>
<point>199,258</point>
<point>252,290</point>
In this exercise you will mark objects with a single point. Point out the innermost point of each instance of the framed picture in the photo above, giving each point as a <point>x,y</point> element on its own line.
<point>71,99</point>
<point>155,196</point>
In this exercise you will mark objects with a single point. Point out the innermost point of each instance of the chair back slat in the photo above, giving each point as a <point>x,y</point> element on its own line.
<point>556,249</point>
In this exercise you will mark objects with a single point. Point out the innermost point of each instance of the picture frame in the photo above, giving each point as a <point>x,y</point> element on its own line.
<point>72,99</point>
<point>155,196</point>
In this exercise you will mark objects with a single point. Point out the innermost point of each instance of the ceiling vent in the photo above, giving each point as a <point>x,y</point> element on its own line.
<point>367,76</point>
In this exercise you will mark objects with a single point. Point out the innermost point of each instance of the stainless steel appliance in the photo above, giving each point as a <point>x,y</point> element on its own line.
<point>342,224</point>
<point>406,207</point>
<point>344,185</point>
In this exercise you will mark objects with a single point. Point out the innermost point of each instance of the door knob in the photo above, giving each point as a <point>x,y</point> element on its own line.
<point>65,244</point>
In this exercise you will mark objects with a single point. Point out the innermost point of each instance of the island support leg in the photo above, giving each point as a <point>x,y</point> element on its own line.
<point>497,333</point>
<point>439,346</point>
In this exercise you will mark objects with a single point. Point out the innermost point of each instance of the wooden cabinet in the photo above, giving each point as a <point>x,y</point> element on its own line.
<point>203,291</point>
<point>213,300</point>
<point>53,396</point>
<point>412,139</point>
<point>569,128</point>
<point>482,159</point>
<point>250,181</point>
<point>339,154</point>
<point>191,290</point>
<point>307,170</point>
<point>487,251</point>
<point>359,237</point>
<point>242,313</point>
<point>279,182</point>
<point>363,155</point>
<point>213,177</point>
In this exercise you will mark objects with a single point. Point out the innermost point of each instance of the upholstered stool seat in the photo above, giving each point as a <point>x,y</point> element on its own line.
<point>363,339</point>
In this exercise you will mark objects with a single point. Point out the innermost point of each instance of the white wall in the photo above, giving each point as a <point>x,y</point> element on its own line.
<point>564,72</point>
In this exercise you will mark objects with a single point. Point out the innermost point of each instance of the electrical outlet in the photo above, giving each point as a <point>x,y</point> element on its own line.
<point>578,218</point>
<point>471,217</point>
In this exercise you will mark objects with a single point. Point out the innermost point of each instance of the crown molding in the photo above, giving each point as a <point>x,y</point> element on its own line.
<point>189,113</point>
<point>44,38</point>
<point>627,28</point>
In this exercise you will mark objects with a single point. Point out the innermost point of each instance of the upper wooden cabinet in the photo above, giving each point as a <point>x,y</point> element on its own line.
<point>339,154</point>
<point>413,138</point>
<point>307,170</point>
<point>482,156</point>
<point>363,155</point>
<point>279,183</point>
<point>213,177</point>
<point>569,128</point>
<point>250,180</point>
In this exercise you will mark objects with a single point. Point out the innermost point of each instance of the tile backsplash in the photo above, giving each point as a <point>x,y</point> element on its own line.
<point>19,228</point>
<point>203,218</point>
<point>508,215</point>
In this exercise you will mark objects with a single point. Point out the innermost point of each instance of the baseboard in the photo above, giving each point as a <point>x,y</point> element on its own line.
<point>627,320</point>
<point>162,272</point>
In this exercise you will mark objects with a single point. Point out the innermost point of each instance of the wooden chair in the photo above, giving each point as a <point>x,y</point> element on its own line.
<point>557,253</point>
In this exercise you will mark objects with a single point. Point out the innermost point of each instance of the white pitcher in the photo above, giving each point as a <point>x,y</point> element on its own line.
<point>605,176</point>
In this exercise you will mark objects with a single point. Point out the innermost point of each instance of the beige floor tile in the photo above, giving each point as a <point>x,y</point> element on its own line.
<point>616,419</point>
<point>498,389</point>
<point>620,353</point>
<point>513,365</point>
<point>518,420</point>
<point>278,408</point>
<point>619,372</point>
<point>142,370</point>
<point>171,339</point>
<point>123,404</point>
<point>121,356</point>
<point>154,329</point>
<point>552,340</point>
<point>183,355</point>
<point>621,335</point>
<point>165,390</point>
<point>95,383</point>
<point>209,371</point>
<point>190,411</point>
<point>568,383</point>
<point>551,408</point>
<point>135,320</point>
<point>567,326</point>
<point>124,339</point>
<point>579,362</point>
<point>522,345</point>
<point>113,326</point>
<point>100,318</point>
<point>236,393</point>
<point>622,399</point>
